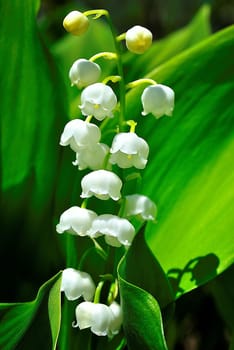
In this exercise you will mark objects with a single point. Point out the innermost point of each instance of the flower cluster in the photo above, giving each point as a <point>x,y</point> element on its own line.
<point>102,319</point>
<point>107,162</point>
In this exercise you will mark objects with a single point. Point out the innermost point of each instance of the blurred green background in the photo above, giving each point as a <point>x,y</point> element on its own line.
<point>160,16</point>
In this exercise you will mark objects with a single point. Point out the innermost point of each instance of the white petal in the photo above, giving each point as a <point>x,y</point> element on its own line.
<point>129,150</point>
<point>117,230</point>
<point>83,73</point>
<point>95,316</point>
<point>76,284</point>
<point>141,205</point>
<point>78,134</point>
<point>102,184</point>
<point>117,318</point>
<point>98,100</point>
<point>158,100</point>
<point>76,219</point>
<point>92,158</point>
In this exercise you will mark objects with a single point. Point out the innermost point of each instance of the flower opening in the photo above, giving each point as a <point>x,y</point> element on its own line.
<point>158,100</point>
<point>98,100</point>
<point>129,150</point>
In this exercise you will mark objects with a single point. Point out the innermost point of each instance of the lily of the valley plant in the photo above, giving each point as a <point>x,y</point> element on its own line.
<point>105,164</point>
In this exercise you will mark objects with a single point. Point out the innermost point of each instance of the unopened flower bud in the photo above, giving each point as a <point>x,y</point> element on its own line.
<point>138,39</point>
<point>76,23</point>
<point>84,73</point>
<point>76,284</point>
<point>158,100</point>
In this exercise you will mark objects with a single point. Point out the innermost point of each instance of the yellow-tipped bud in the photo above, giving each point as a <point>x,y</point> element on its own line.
<point>76,23</point>
<point>138,39</point>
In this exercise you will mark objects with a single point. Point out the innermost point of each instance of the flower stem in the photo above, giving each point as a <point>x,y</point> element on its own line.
<point>98,292</point>
<point>139,82</point>
<point>122,344</point>
<point>64,336</point>
<point>113,78</point>
<point>132,125</point>
<point>122,89</point>
<point>106,55</point>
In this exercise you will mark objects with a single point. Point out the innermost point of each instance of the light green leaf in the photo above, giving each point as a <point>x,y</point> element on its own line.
<point>54,308</point>
<point>20,322</point>
<point>190,170</point>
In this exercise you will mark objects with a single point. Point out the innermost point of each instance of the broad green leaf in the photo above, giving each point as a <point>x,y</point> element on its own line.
<point>190,170</point>
<point>26,325</point>
<point>33,115</point>
<point>142,318</point>
<point>170,46</point>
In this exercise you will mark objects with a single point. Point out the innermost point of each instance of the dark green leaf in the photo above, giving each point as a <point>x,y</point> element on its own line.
<point>140,267</point>
<point>27,323</point>
<point>142,318</point>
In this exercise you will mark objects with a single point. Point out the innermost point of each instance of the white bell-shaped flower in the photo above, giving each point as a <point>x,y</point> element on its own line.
<point>80,134</point>
<point>83,73</point>
<point>129,150</point>
<point>140,205</point>
<point>95,316</point>
<point>102,184</point>
<point>117,318</point>
<point>76,284</point>
<point>92,158</point>
<point>158,100</point>
<point>118,231</point>
<point>138,39</point>
<point>98,100</point>
<point>76,220</point>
